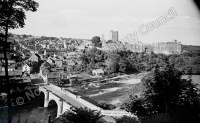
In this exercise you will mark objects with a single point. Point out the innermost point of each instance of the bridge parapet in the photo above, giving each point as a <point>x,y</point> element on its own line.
<point>77,97</point>
<point>88,104</point>
<point>50,93</point>
<point>41,88</point>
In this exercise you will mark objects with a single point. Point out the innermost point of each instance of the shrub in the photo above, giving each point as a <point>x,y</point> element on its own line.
<point>105,105</point>
<point>126,119</point>
<point>165,93</point>
<point>81,115</point>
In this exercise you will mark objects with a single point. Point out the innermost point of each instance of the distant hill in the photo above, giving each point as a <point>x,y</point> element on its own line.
<point>191,49</point>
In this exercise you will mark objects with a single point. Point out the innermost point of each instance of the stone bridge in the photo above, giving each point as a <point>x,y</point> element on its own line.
<point>65,99</point>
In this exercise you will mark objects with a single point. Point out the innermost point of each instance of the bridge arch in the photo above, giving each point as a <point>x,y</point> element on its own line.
<point>42,95</point>
<point>46,96</point>
<point>49,96</point>
<point>53,103</point>
<point>58,101</point>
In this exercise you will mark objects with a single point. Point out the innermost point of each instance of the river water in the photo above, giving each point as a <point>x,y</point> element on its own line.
<point>33,113</point>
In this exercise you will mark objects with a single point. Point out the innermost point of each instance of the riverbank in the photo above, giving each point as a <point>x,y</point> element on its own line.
<point>118,90</point>
<point>32,112</point>
<point>115,90</point>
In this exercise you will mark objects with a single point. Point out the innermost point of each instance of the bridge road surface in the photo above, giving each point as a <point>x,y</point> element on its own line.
<point>65,97</point>
<point>73,102</point>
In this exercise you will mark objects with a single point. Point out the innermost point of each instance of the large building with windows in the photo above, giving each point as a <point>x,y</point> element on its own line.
<point>160,47</point>
<point>167,47</point>
<point>138,47</point>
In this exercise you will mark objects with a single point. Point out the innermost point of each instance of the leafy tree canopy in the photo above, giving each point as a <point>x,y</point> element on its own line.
<point>127,119</point>
<point>166,93</point>
<point>80,115</point>
<point>96,41</point>
<point>13,12</point>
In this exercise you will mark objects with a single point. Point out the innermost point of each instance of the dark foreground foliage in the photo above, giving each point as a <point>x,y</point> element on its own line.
<point>166,98</point>
<point>105,105</point>
<point>126,119</point>
<point>81,115</point>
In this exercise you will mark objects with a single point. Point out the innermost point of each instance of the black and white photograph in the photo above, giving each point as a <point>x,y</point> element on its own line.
<point>99,61</point>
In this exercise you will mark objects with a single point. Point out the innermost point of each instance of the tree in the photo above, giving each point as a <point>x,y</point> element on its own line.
<point>171,60</point>
<point>80,115</point>
<point>12,15</point>
<point>96,41</point>
<point>112,62</point>
<point>126,119</point>
<point>166,94</point>
<point>196,60</point>
<point>105,105</point>
<point>123,65</point>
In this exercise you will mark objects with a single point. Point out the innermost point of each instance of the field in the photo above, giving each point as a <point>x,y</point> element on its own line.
<point>117,90</point>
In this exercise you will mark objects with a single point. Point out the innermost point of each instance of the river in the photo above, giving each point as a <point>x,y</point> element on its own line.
<point>33,113</point>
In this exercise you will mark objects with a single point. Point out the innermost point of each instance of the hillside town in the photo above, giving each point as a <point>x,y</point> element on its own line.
<point>83,66</point>
<point>56,58</point>
<point>60,79</point>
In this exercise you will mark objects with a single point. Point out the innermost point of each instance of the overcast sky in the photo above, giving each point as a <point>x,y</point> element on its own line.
<point>88,18</point>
